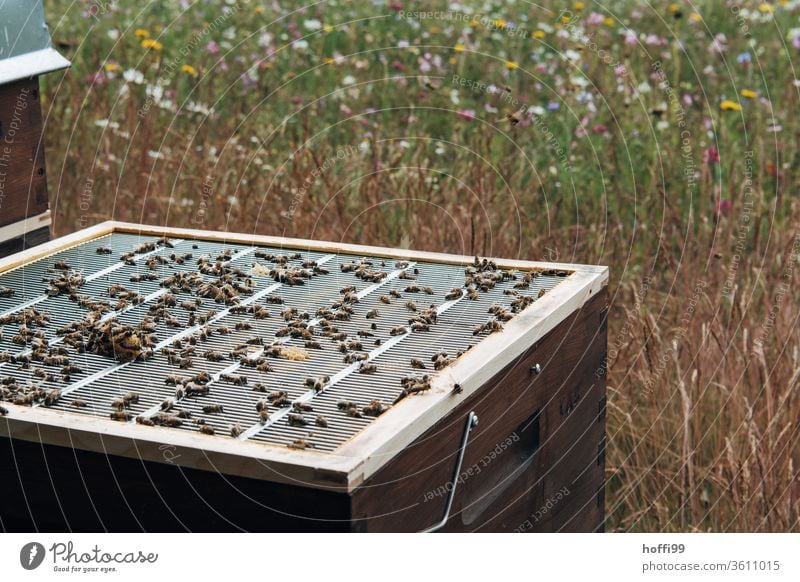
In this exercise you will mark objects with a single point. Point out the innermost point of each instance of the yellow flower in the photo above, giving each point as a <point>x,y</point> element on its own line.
<point>259,9</point>
<point>511,65</point>
<point>459,48</point>
<point>538,34</point>
<point>729,105</point>
<point>141,33</point>
<point>673,8</point>
<point>149,43</point>
<point>579,5</point>
<point>190,70</point>
<point>435,30</point>
<point>111,67</point>
<point>327,28</point>
<point>474,23</point>
<point>452,60</point>
<point>695,17</point>
<point>329,60</point>
<point>748,94</point>
<point>565,19</point>
<point>766,8</point>
<point>500,23</point>
<point>609,21</point>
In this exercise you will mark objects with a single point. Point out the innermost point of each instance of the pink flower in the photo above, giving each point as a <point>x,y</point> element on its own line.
<point>599,128</point>
<point>723,206</point>
<point>620,70</point>
<point>595,18</point>
<point>212,48</point>
<point>631,38</point>
<point>468,114</point>
<point>711,156</point>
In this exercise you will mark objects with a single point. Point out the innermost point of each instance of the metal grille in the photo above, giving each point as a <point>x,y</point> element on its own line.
<point>199,342</point>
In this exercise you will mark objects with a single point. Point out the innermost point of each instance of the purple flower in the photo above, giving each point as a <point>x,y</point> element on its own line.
<point>212,47</point>
<point>631,38</point>
<point>595,18</point>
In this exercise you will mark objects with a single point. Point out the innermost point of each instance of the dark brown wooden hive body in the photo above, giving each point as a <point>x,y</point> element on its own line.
<point>23,175</point>
<point>535,461</point>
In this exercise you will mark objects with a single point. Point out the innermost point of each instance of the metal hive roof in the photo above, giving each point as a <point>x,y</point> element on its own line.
<point>25,47</point>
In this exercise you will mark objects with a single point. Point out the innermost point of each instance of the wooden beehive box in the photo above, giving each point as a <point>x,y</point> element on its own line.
<point>335,327</point>
<point>25,54</point>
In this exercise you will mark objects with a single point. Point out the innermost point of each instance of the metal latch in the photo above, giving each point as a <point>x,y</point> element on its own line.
<point>472,422</point>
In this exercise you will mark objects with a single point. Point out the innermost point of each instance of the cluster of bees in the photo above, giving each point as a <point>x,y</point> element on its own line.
<point>106,336</point>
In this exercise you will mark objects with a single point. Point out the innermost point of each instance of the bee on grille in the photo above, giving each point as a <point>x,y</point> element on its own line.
<point>353,357</point>
<point>194,389</point>
<point>104,250</point>
<point>318,383</point>
<point>457,389</point>
<point>143,420</point>
<point>300,444</point>
<point>453,294</point>
<point>78,403</point>
<point>372,314</point>
<point>236,430</point>
<point>349,408</point>
<point>410,305</point>
<point>541,293</point>
<point>263,416</point>
<point>121,415</point>
<point>130,398</point>
<point>384,299</point>
<point>418,364</point>
<point>419,326</point>
<point>491,326</point>
<point>282,402</point>
<point>174,380</point>
<point>167,404</point>
<point>525,282</point>
<point>428,290</point>
<point>234,379</point>
<point>206,429</point>
<point>301,407</point>
<point>365,334</point>
<point>399,330</point>
<point>296,419</point>
<point>374,408</point>
<point>412,289</point>
<point>412,385</point>
<point>214,356</point>
<point>52,397</point>
<point>212,409</point>
<point>367,368</point>
<point>6,292</point>
<point>407,275</point>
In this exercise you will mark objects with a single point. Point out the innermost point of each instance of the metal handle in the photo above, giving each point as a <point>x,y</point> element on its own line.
<point>472,422</point>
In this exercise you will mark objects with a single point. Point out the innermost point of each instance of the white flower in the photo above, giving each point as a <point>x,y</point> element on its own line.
<point>113,34</point>
<point>663,124</point>
<point>156,155</point>
<point>454,97</point>
<point>300,44</point>
<point>312,24</point>
<point>133,76</point>
<point>106,123</point>
<point>348,80</point>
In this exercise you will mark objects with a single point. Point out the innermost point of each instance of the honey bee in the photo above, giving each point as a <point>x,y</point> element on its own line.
<point>121,415</point>
<point>418,364</point>
<point>428,290</point>
<point>174,380</point>
<point>412,289</point>
<point>454,293</point>
<point>104,251</point>
<point>440,360</point>
<point>263,416</point>
<point>212,408</point>
<point>541,293</point>
<point>143,420</point>
<point>206,429</point>
<point>375,408</point>
<point>6,292</point>
<point>296,419</point>
<point>236,430</point>
<point>52,397</point>
<point>214,356</point>
<point>3,411</point>
<point>131,398</point>
<point>78,403</point>
<point>472,294</point>
<point>194,389</point>
<point>301,407</point>
<point>517,116</point>
<point>282,402</point>
<point>167,404</point>
<point>420,326</point>
<point>223,330</point>
<point>318,383</point>
<point>399,330</point>
<point>313,345</point>
<point>491,325</point>
<point>384,299</point>
<point>321,421</point>
<point>407,275</point>
<point>363,333</point>
<point>367,368</point>
<point>234,379</point>
<point>457,388</point>
<point>372,314</point>
<point>395,293</point>
<point>300,444</point>
<point>265,367</point>
<point>410,305</point>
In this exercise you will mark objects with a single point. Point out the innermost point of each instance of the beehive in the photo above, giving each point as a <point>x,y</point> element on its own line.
<point>136,362</point>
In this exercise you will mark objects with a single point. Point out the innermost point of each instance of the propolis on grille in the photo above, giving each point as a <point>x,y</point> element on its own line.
<point>330,381</point>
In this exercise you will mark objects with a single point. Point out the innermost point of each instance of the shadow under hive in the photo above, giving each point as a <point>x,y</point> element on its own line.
<point>174,379</point>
